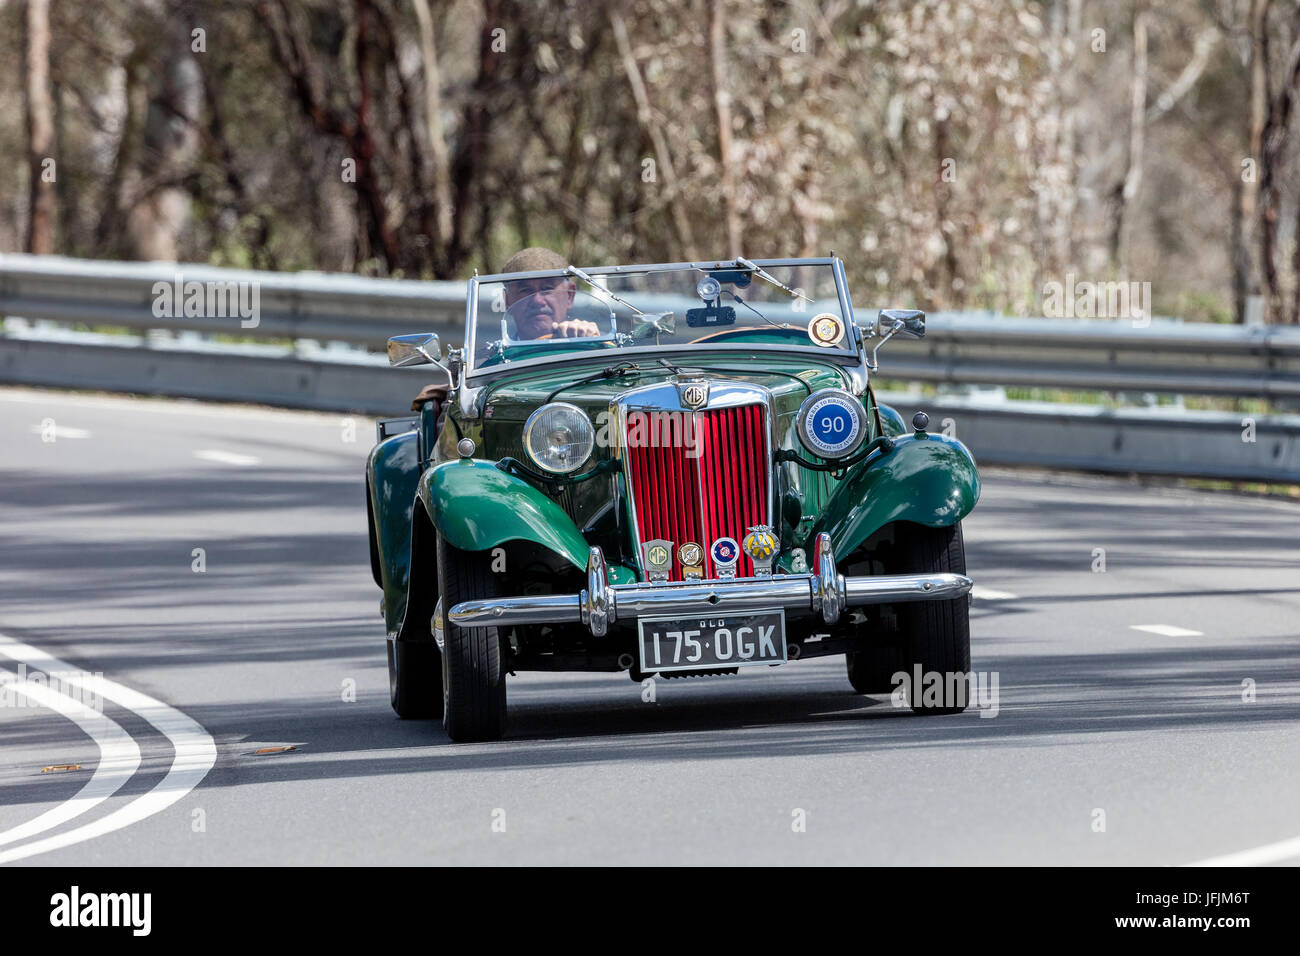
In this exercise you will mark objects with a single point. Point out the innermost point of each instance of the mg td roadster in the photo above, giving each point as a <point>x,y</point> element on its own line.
<point>673,470</point>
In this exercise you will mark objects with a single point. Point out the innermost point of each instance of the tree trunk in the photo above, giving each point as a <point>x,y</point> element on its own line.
<point>722,111</point>
<point>1272,159</point>
<point>1069,136</point>
<point>158,208</point>
<point>646,116</point>
<point>1295,271</point>
<point>943,204</point>
<point>471,160</point>
<point>1245,279</point>
<point>40,130</point>
<point>1240,249</point>
<point>1127,190</point>
<point>433,122</point>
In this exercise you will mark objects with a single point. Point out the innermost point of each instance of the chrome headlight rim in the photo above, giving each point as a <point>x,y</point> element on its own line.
<point>589,442</point>
<point>840,398</point>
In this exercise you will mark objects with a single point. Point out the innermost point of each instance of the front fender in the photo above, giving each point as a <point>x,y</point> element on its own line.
<point>476,506</point>
<point>928,479</point>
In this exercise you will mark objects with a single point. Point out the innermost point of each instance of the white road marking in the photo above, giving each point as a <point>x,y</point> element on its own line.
<point>195,751</point>
<point>226,457</point>
<point>119,757</point>
<point>1165,630</point>
<point>62,431</point>
<point>1259,856</point>
<point>150,405</point>
<point>989,594</point>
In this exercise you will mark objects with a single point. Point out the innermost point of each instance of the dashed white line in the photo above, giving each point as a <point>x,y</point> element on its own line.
<point>1166,630</point>
<point>989,594</point>
<point>119,757</point>
<point>1259,856</point>
<point>195,751</point>
<point>60,431</point>
<point>226,457</point>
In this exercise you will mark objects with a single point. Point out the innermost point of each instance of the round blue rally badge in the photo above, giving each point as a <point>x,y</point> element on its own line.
<point>831,423</point>
<point>725,551</point>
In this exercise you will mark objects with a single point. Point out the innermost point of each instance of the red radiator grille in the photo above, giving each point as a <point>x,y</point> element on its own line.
<point>720,493</point>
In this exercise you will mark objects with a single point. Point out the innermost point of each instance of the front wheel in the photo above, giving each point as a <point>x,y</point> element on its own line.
<point>473,665</point>
<point>936,634</point>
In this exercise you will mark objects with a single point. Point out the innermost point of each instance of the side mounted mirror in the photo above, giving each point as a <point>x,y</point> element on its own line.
<point>419,348</point>
<point>908,322</point>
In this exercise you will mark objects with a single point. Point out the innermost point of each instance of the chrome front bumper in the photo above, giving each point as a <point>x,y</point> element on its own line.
<point>601,604</point>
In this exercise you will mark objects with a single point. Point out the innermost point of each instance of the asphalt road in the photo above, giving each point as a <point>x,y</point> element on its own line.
<point>1109,744</point>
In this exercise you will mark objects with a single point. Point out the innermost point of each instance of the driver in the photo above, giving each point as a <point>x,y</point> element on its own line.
<point>541,306</point>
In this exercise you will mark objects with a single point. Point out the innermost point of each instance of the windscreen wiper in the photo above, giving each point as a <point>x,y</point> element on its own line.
<point>575,271</point>
<point>775,325</point>
<point>768,277</point>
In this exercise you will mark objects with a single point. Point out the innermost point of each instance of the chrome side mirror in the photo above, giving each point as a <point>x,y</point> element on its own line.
<point>419,348</point>
<point>891,322</point>
<point>907,322</point>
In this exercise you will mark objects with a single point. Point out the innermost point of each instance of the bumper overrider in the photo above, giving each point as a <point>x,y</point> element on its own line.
<point>600,604</point>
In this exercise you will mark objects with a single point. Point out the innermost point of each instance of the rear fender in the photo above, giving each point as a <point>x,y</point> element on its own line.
<point>890,420</point>
<point>392,481</point>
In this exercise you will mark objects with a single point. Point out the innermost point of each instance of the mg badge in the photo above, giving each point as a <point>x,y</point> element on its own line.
<point>658,560</point>
<point>691,557</point>
<point>725,553</point>
<point>761,546</point>
<point>694,395</point>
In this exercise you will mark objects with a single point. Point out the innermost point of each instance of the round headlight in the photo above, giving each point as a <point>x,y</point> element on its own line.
<point>559,438</point>
<point>832,423</point>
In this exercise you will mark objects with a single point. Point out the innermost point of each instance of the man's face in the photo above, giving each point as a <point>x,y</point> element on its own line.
<point>539,305</point>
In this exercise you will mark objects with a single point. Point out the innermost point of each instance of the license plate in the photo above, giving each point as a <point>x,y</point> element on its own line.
<point>710,642</point>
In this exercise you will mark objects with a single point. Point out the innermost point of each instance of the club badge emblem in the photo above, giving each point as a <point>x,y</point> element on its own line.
<point>658,560</point>
<point>725,553</point>
<point>691,557</point>
<point>761,546</point>
<point>826,329</point>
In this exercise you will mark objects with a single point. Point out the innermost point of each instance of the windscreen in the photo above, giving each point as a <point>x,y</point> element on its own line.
<point>554,317</point>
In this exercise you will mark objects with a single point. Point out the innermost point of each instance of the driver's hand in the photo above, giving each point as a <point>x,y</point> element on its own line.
<point>575,329</point>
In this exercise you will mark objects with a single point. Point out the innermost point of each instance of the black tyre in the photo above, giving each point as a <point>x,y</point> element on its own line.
<point>415,680</point>
<point>473,664</point>
<point>871,669</point>
<point>936,634</point>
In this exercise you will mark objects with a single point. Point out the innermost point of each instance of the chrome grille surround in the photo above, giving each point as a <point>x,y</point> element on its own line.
<point>683,501</point>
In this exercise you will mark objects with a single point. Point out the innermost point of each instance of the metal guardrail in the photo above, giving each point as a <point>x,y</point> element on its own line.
<point>291,305</point>
<point>1148,441</point>
<point>291,376</point>
<point>1162,356</point>
<point>1103,355</point>
<point>958,349</point>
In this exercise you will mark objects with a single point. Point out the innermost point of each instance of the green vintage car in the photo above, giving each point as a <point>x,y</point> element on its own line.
<point>667,470</point>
